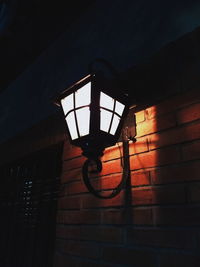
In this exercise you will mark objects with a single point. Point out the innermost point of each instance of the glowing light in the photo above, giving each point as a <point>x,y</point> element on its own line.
<point>70,119</point>
<point>115,124</point>
<point>106,101</point>
<point>67,103</point>
<point>82,98</point>
<point>83,119</point>
<point>106,116</point>
<point>105,120</point>
<point>119,108</point>
<point>83,95</point>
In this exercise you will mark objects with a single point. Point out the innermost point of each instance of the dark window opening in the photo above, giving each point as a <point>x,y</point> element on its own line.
<point>28,201</point>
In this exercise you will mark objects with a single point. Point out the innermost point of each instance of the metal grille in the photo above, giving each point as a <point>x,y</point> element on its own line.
<point>28,200</point>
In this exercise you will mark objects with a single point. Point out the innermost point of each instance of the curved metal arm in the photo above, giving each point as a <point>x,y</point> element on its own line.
<point>125,175</point>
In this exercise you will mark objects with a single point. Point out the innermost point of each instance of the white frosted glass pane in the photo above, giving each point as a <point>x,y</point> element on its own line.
<point>115,124</point>
<point>83,95</point>
<point>83,119</point>
<point>67,103</point>
<point>106,101</point>
<point>70,119</point>
<point>119,108</point>
<point>105,120</point>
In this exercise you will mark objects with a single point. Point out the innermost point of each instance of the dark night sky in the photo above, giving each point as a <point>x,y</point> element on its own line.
<point>33,25</point>
<point>28,27</point>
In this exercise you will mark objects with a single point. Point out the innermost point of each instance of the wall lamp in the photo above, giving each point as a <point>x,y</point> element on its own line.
<point>94,109</point>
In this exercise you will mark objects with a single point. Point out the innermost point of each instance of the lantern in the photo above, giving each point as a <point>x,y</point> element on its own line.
<point>93,115</point>
<point>94,110</point>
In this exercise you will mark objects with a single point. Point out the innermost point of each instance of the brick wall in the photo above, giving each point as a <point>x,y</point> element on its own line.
<point>155,221</point>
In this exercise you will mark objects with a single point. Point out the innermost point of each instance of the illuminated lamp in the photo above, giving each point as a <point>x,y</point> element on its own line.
<point>94,110</point>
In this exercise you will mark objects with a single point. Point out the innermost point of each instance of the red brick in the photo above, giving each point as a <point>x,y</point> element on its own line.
<point>91,201</point>
<point>191,151</point>
<point>78,217</point>
<point>90,217</point>
<point>73,163</point>
<point>156,125</point>
<point>152,112</point>
<point>62,217</point>
<point>104,221</point>
<point>179,260</point>
<point>142,216</point>
<point>102,234</point>
<point>143,196</point>
<point>189,113</point>
<point>175,136</point>
<point>141,145</point>
<point>75,188</point>
<point>70,151</point>
<point>162,238</point>
<point>188,171</point>
<point>68,232</point>
<point>155,158</point>
<point>71,175</point>
<point>69,203</point>
<point>112,152</point>
<point>107,182</point>
<point>177,216</point>
<point>114,216</point>
<point>134,216</point>
<point>116,152</point>
<point>140,178</point>
<point>172,104</point>
<point>126,256</point>
<point>99,183</point>
<point>159,195</point>
<point>84,249</point>
<point>139,116</point>
<point>109,167</point>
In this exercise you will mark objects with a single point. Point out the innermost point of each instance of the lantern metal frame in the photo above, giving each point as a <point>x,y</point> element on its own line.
<point>97,140</point>
<point>94,143</point>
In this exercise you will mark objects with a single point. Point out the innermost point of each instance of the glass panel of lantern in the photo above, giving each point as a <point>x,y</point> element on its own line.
<point>76,107</point>
<point>77,113</point>
<point>111,112</point>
